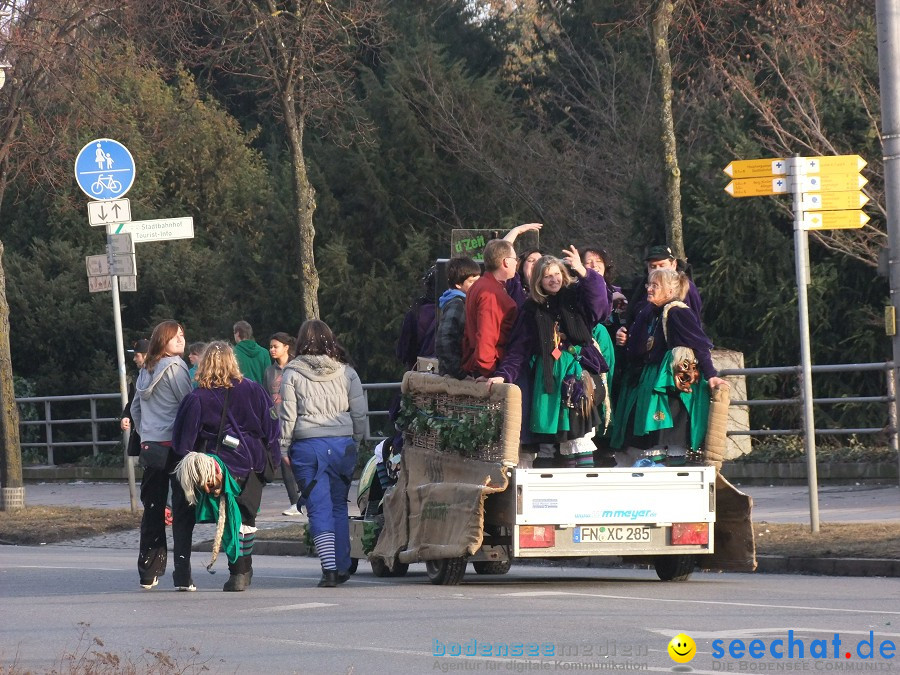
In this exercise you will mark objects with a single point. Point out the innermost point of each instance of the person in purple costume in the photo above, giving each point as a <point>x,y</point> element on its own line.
<point>518,287</point>
<point>555,336</point>
<point>417,332</point>
<point>664,404</point>
<point>227,403</point>
<point>662,258</point>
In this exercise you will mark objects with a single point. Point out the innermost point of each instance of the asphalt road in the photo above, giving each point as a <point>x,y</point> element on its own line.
<point>57,600</point>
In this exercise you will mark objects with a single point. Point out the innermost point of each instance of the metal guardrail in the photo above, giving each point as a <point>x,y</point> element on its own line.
<point>99,440</point>
<point>889,398</point>
<point>99,437</point>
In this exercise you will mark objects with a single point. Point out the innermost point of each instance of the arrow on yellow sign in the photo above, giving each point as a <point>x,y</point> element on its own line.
<point>833,201</point>
<point>834,220</point>
<point>756,168</point>
<point>757,187</point>
<point>832,163</point>
<point>832,182</point>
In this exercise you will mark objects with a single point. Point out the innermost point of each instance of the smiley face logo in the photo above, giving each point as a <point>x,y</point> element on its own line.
<point>682,648</point>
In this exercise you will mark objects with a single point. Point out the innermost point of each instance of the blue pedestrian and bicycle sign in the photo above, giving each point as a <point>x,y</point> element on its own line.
<point>104,169</point>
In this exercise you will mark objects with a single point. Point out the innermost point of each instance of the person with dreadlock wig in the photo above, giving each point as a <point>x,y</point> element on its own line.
<point>323,418</point>
<point>233,419</point>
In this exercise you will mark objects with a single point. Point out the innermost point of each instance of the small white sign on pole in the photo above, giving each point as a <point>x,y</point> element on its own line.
<point>163,229</point>
<point>128,283</point>
<point>97,266</point>
<point>99,284</point>
<point>119,244</point>
<point>122,265</point>
<point>109,211</point>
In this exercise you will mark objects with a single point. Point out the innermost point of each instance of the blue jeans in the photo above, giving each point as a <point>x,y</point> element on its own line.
<point>324,468</point>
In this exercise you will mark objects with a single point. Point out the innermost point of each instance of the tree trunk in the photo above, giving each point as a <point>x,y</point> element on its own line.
<point>659,31</point>
<point>11,452</point>
<point>305,206</point>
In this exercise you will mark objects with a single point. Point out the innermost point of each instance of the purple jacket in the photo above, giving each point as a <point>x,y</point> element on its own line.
<point>252,419</point>
<point>684,331</point>
<point>417,333</point>
<point>591,297</point>
<point>517,291</point>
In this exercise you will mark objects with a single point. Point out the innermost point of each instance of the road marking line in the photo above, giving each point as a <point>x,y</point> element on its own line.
<point>758,632</point>
<point>288,608</point>
<point>682,601</point>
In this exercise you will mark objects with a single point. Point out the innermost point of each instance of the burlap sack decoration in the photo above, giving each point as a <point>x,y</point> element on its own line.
<point>436,510</point>
<point>717,426</point>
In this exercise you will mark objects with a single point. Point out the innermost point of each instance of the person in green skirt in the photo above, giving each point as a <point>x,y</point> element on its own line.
<point>566,302</point>
<point>663,406</point>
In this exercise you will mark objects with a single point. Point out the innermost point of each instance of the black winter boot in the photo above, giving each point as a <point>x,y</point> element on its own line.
<point>329,579</point>
<point>236,582</point>
<point>240,577</point>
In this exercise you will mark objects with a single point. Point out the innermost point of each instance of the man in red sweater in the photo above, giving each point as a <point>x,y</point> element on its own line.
<point>490,312</point>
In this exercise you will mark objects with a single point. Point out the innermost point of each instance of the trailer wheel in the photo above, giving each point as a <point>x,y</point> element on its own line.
<point>354,565</point>
<point>380,568</point>
<point>492,566</point>
<point>446,571</point>
<point>675,567</point>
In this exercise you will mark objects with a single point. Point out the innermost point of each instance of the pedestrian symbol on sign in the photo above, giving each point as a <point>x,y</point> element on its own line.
<point>104,169</point>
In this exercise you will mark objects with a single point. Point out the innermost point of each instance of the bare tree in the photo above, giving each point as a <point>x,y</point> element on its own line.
<point>661,19</point>
<point>297,58</point>
<point>42,41</point>
<point>807,73</point>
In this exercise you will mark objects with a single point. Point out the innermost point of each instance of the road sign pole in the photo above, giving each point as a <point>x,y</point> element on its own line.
<point>801,262</point>
<point>887,19</point>
<point>123,389</point>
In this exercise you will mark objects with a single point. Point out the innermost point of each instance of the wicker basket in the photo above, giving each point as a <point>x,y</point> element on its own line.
<point>452,399</point>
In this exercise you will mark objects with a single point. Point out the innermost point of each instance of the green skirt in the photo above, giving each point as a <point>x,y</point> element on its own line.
<point>548,414</point>
<point>648,401</point>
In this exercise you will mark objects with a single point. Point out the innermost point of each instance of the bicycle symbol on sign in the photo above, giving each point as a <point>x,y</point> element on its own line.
<point>108,182</point>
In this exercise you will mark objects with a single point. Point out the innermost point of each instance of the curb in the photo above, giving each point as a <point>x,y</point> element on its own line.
<point>835,567</point>
<point>766,564</point>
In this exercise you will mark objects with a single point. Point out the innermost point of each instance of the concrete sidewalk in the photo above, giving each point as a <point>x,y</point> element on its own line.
<point>771,504</point>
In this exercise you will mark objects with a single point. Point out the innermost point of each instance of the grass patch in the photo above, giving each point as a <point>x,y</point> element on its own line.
<point>36,525</point>
<point>834,540</point>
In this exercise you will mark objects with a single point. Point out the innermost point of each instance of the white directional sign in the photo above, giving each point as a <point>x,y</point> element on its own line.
<point>109,211</point>
<point>156,230</point>
<point>97,265</point>
<point>119,244</point>
<point>104,265</point>
<point>122,265</point>
<point>100,284</point>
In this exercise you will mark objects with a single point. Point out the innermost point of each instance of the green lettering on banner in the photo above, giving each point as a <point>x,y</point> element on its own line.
<point>471,243</point>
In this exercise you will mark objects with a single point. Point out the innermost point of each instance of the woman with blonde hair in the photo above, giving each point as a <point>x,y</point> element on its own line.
<point>323,418</point>
<point>663,407</point>
<point>161,385</point>
<point>232,418</point>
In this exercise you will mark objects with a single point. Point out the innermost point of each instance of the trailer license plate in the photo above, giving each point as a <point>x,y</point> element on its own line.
<point>604,534</point>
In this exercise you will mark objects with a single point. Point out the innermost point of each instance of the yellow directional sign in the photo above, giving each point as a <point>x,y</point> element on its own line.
<point>757,187</point>
<point>756,168</point>
<point>834,220</point>
<point>832,163</point>
<point>833,201</point>
<point>836,181</point>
